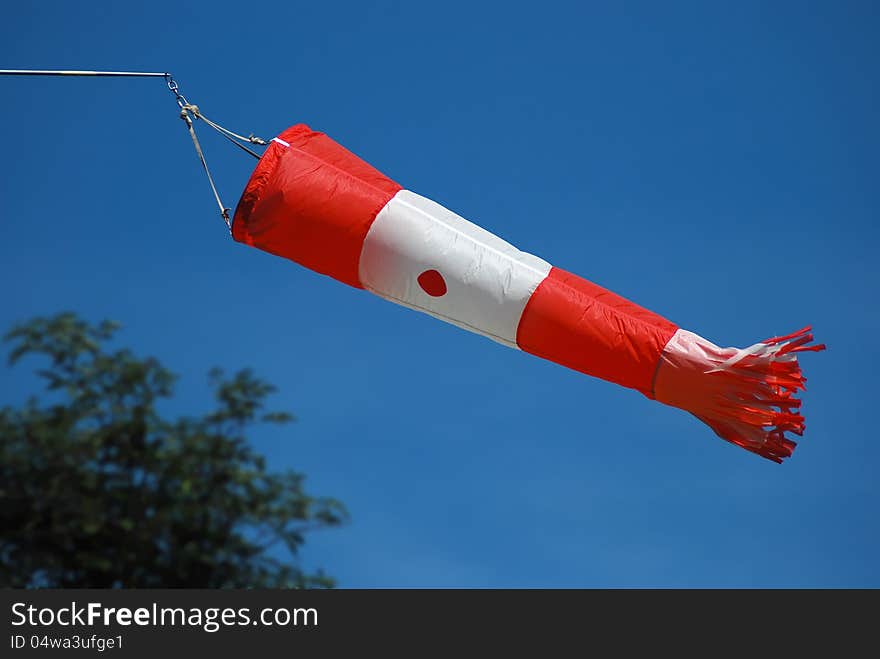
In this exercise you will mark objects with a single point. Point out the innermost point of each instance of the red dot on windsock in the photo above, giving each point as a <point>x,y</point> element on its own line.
<point>432,283</point>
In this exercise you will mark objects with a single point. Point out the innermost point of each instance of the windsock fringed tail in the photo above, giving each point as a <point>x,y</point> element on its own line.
<point>747,396</point>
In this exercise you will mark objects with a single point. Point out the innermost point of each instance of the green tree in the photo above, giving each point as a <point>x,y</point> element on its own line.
<point>98,489</point>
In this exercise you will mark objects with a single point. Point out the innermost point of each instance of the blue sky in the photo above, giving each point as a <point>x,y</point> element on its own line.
<point>715,162</point>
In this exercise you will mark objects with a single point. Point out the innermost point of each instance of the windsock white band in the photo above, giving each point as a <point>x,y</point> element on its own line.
<point>421,255</point>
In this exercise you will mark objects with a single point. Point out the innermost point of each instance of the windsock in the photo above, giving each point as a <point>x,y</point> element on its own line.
<point>312,201</point>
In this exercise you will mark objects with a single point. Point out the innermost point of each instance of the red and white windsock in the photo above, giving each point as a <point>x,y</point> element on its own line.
<point>312,201</point>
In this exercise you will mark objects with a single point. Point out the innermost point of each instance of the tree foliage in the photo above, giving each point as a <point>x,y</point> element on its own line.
<point>98,489</point>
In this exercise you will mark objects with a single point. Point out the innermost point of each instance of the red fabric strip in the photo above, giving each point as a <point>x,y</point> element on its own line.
<point>313,203</point>
<point>578,324</point>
